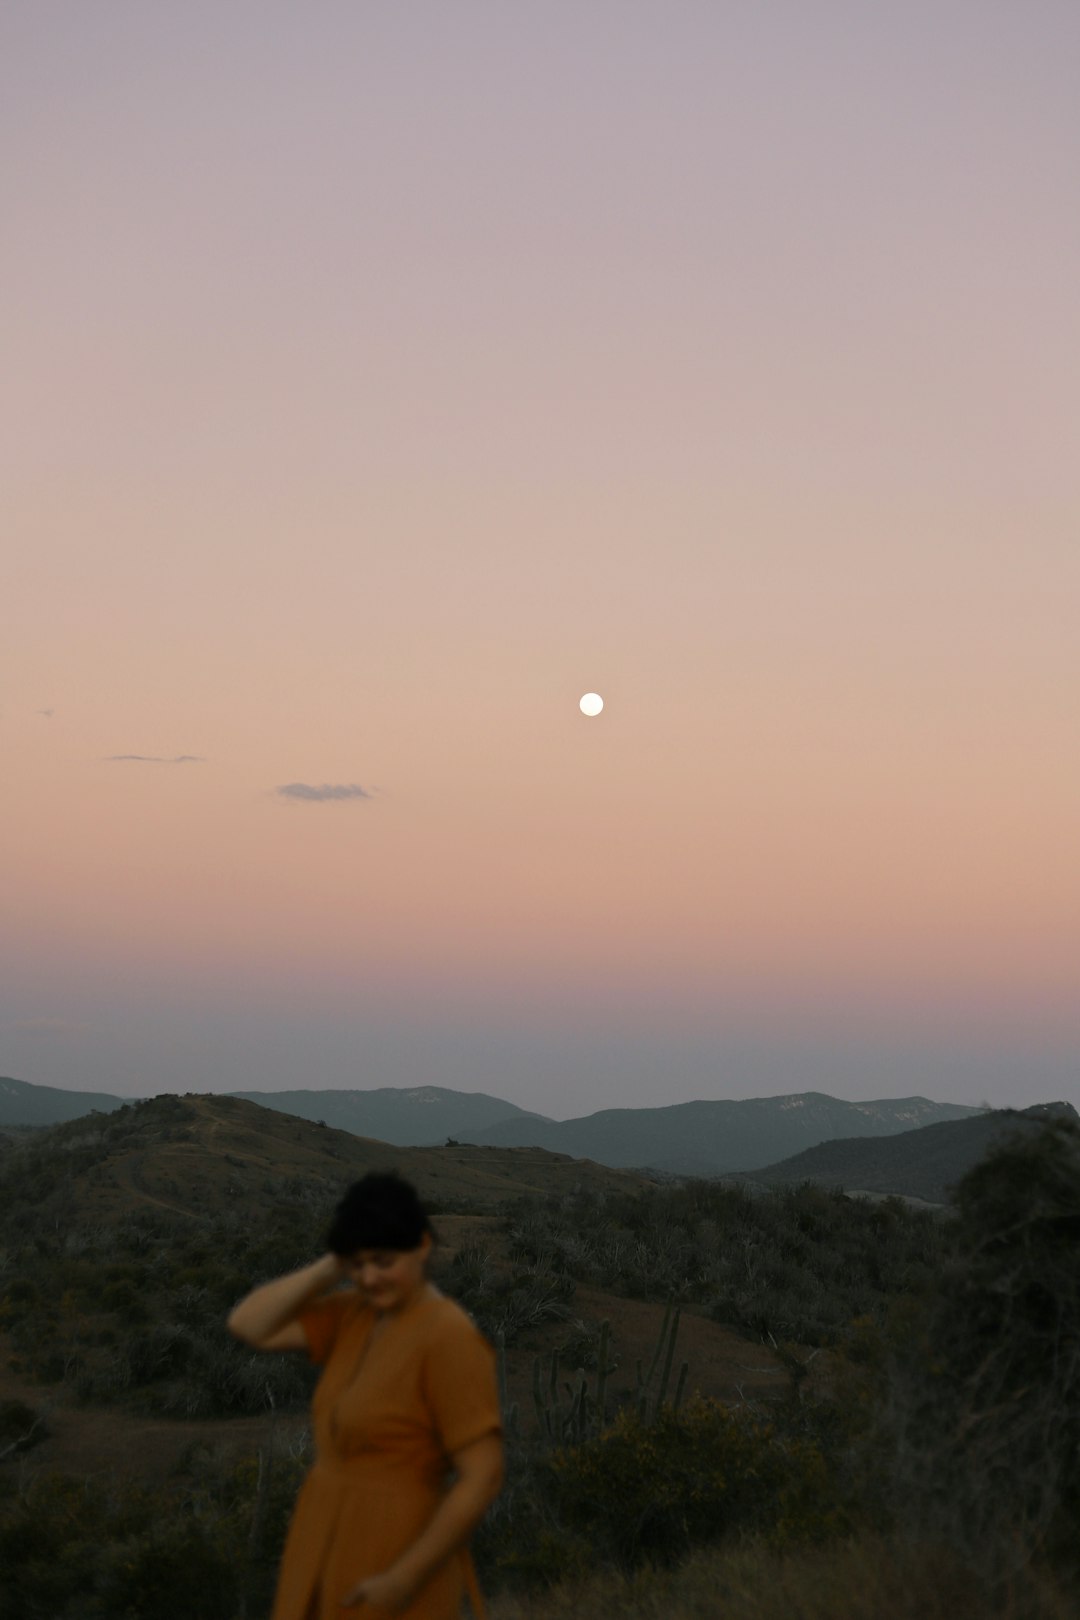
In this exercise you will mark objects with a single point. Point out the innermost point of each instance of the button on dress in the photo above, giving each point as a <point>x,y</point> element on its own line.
<point>387,1414</point>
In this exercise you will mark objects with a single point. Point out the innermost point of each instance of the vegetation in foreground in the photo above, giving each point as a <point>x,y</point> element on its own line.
<point>937,1469</point>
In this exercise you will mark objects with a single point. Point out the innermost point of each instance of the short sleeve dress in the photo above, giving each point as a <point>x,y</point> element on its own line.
<point>387,1415</point>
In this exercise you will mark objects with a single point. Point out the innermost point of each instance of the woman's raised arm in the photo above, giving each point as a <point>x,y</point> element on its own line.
<point>267,1308</point>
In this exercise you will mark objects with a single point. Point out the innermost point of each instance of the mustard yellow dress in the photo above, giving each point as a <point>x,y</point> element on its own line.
<point>387,1415</point>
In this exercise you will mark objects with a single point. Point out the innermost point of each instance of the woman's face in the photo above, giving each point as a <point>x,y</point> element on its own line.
<point>389,1277</point>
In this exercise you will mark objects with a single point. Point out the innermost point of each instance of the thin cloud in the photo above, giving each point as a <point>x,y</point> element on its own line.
<point>50,1026</point>
<point>159,759</point>
<point>48,713</point>
<point>328,790</point>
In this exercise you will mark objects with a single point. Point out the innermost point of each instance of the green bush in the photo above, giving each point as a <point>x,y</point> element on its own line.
<point>49,1540</point>
<point>71,1550</point>
<point>176,1568</point>
<point>19,1300</point>
<point>650,1492</point>
<point>126,1300</point>
<point>982,1400</point>
<point>20,1427</point>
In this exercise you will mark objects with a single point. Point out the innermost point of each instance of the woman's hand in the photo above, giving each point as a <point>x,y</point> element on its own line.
<point>390,1593</point>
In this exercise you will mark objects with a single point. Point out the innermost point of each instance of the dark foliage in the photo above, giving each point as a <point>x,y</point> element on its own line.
<point>983,1396</point>
<point>796,1265</point>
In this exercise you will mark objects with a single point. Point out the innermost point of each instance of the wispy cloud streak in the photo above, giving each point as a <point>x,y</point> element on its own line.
<point>50,1026</point>
<point>159,759</point>
<point>328,790</point>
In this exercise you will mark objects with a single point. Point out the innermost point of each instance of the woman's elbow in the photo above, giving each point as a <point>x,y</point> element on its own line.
<point>490,1483</point>
<point>480,1467</point>
<point>481,1487</point>
<point>236,1328</point>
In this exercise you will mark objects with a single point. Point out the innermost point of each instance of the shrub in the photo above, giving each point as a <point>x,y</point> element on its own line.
<point>984,1395</point>
<point>797,1264</point>
<point>176,1568</point>
<point>652,1491</point>
<point>20,1427</point>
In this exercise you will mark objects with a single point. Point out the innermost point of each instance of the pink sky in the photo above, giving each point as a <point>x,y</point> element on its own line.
<point>377,381</point>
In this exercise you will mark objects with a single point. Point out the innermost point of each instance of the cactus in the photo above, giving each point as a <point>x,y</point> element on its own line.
<point>683,1370</point>
<point>547,1408</point>
<point>668,1333</point>
<point>583,1416</point>
<point>509,1409</point>
<point>558,1422</point>
<point>602,1371</point>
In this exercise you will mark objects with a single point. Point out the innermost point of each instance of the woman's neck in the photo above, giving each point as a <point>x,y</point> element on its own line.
<point>426,1290</point>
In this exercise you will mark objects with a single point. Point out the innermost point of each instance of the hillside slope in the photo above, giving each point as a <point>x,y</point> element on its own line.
<point>923,1163</point>
<point>201,1153</point>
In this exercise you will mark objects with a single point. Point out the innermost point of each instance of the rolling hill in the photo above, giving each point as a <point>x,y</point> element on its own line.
<point>923,1163</point>
<point>201,1153</point>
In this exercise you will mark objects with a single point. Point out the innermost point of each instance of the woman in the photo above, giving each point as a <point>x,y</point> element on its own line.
<point>408,1390</point>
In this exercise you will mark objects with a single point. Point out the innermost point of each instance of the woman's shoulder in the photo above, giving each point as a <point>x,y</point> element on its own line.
<point>331,1320</point>
<point>446,1317</point>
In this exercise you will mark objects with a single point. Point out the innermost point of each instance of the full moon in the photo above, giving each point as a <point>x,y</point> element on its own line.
<point>591,703</point>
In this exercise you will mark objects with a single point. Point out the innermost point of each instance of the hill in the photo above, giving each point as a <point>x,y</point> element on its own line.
<point>924,1163</point>
<point>200,1154</point>
<point>707,1138</point>
<point>408,1116</point>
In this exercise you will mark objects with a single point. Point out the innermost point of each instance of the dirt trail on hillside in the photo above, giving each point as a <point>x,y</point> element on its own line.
<point>126,1173</point>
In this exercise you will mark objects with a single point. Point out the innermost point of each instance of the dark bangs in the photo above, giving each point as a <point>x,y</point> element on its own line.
<point>378,1212</point>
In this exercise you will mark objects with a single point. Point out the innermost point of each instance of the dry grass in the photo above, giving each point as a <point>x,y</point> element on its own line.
<point>866,1579</point>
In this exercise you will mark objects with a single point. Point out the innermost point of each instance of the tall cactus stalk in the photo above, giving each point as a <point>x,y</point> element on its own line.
<point>509,1409</point>
<point>667,1359</point>
<point>683,1370</point>
<point>666,1342</point>
<point>583,1416</point>
<point>602,1372</point>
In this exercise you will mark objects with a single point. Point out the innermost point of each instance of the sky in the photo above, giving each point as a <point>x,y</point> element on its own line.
<point>380,379</point>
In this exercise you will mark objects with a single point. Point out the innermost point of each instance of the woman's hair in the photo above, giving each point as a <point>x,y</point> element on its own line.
<point>381,1211</point>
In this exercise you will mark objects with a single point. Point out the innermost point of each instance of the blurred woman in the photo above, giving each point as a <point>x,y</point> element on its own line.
<point>408,1391</point>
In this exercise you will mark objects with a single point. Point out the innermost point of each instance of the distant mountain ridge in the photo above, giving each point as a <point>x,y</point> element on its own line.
<point>22,1103</point>
<point>924,1163</point>
<point>710,1138</point>
<point>412,1116</point>
<point>701,1138</point>
<point>407,1116</point>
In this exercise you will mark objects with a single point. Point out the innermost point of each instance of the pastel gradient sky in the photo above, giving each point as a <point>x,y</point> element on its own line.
<point>380,378</point>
